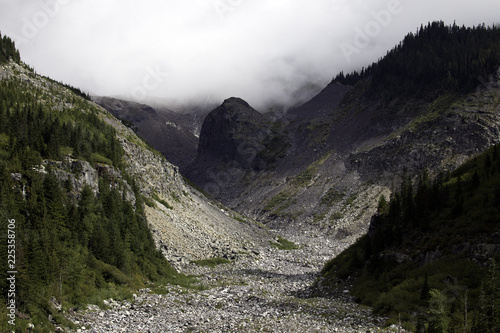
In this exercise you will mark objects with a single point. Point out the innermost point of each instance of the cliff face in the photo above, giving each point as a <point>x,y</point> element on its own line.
<point>231,132</point>
<point>441,138</point>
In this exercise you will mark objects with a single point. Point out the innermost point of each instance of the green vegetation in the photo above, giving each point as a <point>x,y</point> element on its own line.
<point>239,218</point>
<point>282,200</point>
<point>276,145</point>
<point>318,217</point>
<point>8,50</point>
<point>307,175</point>
<point>423,252</point>
<point>319,131</point>
<point>212,262</point>
<point>98,158</point>
<point>35,130</point>
<point>148,202</point>
<point>283,244</point>
<point>79,249</point>
<point>163,202</point>
<point>351,199</point>
<point>331,197</point>
<point>336,216</point>
<point>435,61</point>
<point>74,251</point>
<point>435,110</point>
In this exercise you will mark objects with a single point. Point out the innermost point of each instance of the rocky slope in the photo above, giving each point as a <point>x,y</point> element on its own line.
<point>185,223</point>
<point>328,162</point>
<point>441,138</point>
<point>171,133</point>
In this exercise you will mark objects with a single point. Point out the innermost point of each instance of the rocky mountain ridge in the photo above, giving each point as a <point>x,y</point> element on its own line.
<point>316,171</point>
<point>325,163</point>
<point>174,134</point>
<point>342,150</point>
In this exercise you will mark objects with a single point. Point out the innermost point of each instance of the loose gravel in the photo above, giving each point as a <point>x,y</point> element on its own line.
<point>264,290</point>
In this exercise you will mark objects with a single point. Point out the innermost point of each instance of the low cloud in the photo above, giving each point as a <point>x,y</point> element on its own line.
<point>261,51</point>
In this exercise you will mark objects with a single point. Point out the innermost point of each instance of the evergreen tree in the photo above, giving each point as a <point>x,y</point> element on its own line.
<point>382,205</point>
<point>492,289</point>
<point>438,313</point>
<point>480,321</point>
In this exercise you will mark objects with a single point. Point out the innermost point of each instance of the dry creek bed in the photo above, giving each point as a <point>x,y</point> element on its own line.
<point>262,291</point>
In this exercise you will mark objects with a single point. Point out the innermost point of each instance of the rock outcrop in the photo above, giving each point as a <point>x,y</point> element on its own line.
<point>232,132</point>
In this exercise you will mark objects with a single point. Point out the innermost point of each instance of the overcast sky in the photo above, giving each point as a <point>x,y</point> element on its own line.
<point>259,50</point>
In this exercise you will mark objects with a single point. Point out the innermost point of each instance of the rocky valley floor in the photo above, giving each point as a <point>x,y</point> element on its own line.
<point>262,291</point>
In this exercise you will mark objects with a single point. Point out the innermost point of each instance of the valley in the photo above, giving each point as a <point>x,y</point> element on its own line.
<point>264,291</point>
<point>224,218</point>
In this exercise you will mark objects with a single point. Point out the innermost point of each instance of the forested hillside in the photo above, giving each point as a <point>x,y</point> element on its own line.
<point>72,246</point>
<point>437,59</point>
<point>430,255</point>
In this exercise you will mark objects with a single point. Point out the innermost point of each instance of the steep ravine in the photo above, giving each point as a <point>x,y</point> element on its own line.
<point>323,205</point>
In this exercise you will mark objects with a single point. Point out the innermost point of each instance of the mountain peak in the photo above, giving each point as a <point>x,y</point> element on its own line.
<point>230,133</point>
<point>235,101</point>
<point>236,106</point>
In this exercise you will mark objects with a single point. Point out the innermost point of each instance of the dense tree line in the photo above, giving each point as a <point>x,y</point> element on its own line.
<point>437,59</point>
<point>418,256</point>
<point>8,50</point>
<point>447,201</point>
<point>77,91</point>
